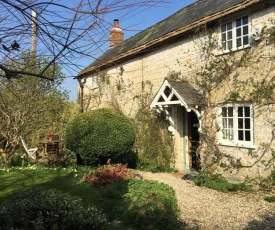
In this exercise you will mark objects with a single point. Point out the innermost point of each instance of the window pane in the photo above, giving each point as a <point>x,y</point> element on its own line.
<point>238,22</point>
<point>247,136</point>
<point>240,111</point>
<point>224,123</point>
<point>229,26</point>
<point>223,27</point>
<point>94,82</point>
<point>224,134</point>
<point>230,134</point>
<point>230,122</point>
<point>224,46</point>
<point>239,32</point>
<point>224,112</point>
<point>240,123</point>
<point>229,45</point>
<point>247,123</point>
<point>224,37</point>
<point>230,111</point>
<point>239,42</point>
<point>245,20</point>
<point>229,35</point>
<point>240,135</point>
<point>247,111</point>
<point>245,30</point>
<point>245,40</point>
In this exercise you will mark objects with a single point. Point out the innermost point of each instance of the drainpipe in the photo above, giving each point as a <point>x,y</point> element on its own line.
<point>81,85</point>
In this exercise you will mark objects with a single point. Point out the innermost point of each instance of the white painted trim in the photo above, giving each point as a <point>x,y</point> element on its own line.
<point>167,100</point>
<point>235,142</point>
<point>234,45</point>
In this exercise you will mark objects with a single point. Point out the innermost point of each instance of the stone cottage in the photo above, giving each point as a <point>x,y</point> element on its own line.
<point>210,68</point>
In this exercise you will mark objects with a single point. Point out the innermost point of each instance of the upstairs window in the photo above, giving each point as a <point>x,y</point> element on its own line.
<point>235,34</point>
<point>95,82</point>
<point>237,125</point>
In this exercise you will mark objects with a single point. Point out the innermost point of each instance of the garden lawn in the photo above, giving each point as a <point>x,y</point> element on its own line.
<point>138,204</point>
<point>18,180</point>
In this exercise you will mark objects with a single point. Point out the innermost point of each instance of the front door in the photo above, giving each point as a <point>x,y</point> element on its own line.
<point>193,140</point>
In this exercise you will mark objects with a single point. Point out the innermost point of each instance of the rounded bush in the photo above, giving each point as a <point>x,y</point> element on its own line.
<point>49,209</point>
<point>100,134</point>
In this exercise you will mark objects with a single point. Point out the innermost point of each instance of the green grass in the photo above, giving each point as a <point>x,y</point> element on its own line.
<point>18,180</point>
<point>270,199</point>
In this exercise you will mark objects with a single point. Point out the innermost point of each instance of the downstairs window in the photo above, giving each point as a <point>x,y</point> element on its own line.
<point>237,125</point>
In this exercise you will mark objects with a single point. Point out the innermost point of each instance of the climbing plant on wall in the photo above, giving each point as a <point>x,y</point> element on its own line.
<point>247,75</point>
<point>154,143</point>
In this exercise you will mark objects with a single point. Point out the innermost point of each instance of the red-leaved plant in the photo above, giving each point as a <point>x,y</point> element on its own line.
<point>106,175</point>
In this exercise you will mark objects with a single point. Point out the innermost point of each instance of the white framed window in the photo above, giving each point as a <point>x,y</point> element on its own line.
<point>95,82</point>
<point>236,125</point>
<point>235,34</point>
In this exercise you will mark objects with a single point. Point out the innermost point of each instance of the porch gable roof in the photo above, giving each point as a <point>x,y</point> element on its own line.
<point>177,93</point>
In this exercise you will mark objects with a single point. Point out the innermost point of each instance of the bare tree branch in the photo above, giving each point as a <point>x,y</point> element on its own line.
<point>66,30</point>
<point>16,73</point>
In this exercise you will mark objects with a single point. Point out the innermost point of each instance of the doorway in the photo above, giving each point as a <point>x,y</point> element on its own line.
<point>193,141</point>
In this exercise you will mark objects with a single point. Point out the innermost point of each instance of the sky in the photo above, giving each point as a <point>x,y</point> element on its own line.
<point>131,25</point>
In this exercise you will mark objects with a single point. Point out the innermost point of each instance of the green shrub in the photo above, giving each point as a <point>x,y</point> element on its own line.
<point>270,199</point>
<point>142,204</point>
<point>100,134</point>
<point>147,165</point>
<point>48,209</point>
<point>18,160</point>
<point>219,183</point>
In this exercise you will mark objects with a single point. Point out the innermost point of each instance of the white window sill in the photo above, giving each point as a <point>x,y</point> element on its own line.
<point>246,145</point>
<point>221,52</point>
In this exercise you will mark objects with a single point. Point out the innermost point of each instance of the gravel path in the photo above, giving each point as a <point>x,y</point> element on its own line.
<point>203,208</point>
